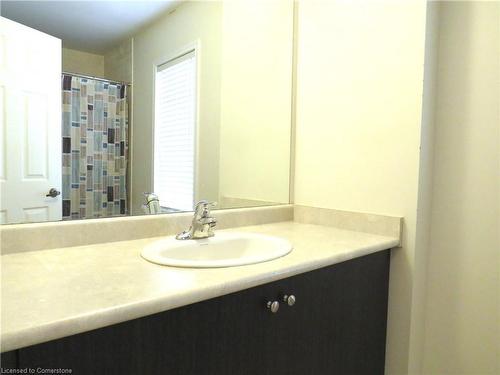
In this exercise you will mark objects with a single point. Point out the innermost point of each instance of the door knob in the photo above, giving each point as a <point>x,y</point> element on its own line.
<point>289,299</point>
<point>53,193</point>
<point>273,306</point>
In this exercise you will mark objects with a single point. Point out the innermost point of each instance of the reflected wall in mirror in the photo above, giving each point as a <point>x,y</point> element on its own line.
<point>157,105</point>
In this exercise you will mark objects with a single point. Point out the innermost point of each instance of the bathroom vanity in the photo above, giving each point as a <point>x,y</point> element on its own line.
<point>331,290</point>
<point>337,325</point>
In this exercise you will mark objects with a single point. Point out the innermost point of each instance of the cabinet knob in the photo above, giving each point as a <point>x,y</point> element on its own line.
<point>273,306</point>
<point>289,299</point>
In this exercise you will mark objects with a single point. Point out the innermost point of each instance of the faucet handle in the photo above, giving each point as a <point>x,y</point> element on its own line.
<point>205,206</point>
<point>204,202</point>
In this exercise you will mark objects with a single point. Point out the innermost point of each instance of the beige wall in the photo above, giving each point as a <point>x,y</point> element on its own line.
<point>256,101</point>
<point>425,183</point>
<point>190,22</point>
<point>462,311</point>
<point>244,106</point>
<point>118,62</point>
<point>90,64</point>
<point>358,123</point>
<point>115,64</point>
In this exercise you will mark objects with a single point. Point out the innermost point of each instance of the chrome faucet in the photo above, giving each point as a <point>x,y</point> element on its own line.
<point>202,225</point>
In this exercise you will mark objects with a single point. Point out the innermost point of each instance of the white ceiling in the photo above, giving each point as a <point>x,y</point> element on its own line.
<point>91,26</point>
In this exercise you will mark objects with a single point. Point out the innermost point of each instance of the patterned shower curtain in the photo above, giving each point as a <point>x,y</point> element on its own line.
<point>95,148</point>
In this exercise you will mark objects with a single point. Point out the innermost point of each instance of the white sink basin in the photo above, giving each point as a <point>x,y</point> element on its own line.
<point>222,250</point>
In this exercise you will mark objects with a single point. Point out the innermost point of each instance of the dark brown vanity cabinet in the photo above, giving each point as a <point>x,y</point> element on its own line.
<point>336,326</point>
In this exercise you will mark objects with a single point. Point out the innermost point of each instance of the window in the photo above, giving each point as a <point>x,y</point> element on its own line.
<point>174,132</point>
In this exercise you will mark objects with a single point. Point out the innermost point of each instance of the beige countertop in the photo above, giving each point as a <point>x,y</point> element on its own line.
<point>49,294</point>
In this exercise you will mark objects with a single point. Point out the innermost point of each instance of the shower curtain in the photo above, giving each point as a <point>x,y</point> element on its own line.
<point>94,148</point>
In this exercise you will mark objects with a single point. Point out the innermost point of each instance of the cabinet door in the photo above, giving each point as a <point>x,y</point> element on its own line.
<point>8,360</point>
<point>221,336</point>
<point>338,323</point>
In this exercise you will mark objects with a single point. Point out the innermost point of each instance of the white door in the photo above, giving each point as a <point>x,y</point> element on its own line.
<point>30,124</point>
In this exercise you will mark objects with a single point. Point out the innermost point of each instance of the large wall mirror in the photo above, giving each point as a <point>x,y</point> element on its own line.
<point>115,108</point>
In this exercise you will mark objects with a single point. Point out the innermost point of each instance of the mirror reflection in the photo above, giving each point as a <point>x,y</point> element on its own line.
<point>157,105</point>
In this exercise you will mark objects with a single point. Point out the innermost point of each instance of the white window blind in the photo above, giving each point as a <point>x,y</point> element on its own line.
<point>174,148</point>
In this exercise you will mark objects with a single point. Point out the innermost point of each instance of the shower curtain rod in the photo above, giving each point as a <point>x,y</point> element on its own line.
<point>96,78</point>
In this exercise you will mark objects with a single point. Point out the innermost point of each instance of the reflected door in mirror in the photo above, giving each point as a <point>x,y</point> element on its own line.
<point>30,119</point>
